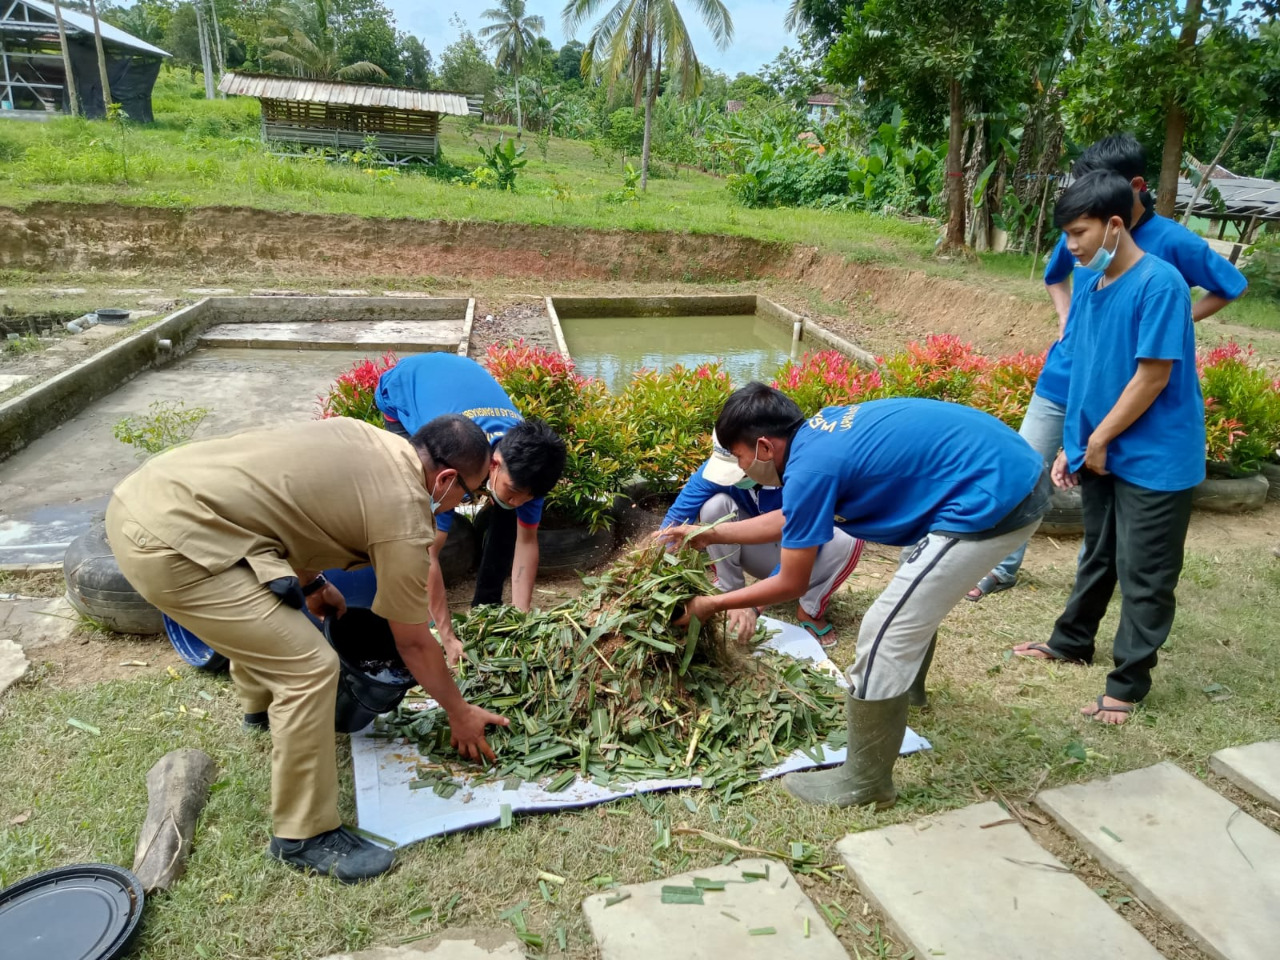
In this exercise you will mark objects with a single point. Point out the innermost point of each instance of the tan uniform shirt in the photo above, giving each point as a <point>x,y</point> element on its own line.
<point>309,496</point>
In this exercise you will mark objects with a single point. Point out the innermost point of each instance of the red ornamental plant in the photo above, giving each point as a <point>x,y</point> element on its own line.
<point>1005,388</point>
<point>1242,409</point>
<point>944,367</point>
<point>668,416</point>
<point>352,394</point>
<point>826,379</point>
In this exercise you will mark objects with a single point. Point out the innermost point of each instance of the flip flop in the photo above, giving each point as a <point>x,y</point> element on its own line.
<point>818,633</point>
<point>1053,654</point>
<point>1124,708</point>
<point>986,585</point>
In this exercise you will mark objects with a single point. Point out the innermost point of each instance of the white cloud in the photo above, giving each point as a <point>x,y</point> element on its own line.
<point>758,30</point>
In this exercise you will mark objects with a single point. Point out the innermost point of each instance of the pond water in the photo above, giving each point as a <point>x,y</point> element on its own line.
<point>614,348</point>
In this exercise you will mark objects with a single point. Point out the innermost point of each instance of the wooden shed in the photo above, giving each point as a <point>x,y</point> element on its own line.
<point>404,123</point>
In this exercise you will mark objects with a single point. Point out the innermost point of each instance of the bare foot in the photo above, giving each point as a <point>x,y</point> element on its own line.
<point>819,627</point>
<point>1108,710</point>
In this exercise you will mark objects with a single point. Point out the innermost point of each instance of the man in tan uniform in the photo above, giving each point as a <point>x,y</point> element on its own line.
<point>226,537</point>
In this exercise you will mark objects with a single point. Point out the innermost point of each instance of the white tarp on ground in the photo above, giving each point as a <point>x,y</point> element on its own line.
<point>384,768</point>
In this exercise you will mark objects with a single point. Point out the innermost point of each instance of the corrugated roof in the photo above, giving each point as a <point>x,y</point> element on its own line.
<point>1242,197</point>
<point>341,92</point>
<point>77,22</point>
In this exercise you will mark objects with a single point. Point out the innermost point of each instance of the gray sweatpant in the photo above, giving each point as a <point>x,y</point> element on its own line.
<point>932,577</point>
<point>834,563</point>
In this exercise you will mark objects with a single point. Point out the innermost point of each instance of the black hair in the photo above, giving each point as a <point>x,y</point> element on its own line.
<point>534,455</point>
<point>1120,153</point>
<point>454,441</point>
<point>756,411</point>
<point>1100,195</point>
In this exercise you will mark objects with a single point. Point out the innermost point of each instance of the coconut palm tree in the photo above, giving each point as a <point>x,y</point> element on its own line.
<point>309,48</point>
<point>513,34</point>
<point>73,101</point>
<point>638,38</point>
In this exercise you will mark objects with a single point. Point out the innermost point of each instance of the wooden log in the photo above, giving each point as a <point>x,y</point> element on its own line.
<point>177,789</point>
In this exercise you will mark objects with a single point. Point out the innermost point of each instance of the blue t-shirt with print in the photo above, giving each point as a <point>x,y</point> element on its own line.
<point>427,385</point>
<point>894,470</point>
<point>1144,314</point>
<point>1188,253</point>
<point>698,490</point>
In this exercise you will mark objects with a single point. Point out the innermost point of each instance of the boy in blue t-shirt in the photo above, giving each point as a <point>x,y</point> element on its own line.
<point>953,486</point>
<point>1133,440</point>
<point>528,459</point>
<point>719,489</point>
<point>1197,262</point>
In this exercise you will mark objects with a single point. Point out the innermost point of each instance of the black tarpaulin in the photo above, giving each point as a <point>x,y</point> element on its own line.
<point>131,77</point>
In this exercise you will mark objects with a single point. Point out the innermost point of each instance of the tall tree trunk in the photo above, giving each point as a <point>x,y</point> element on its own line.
<point>206,60</point>
<point>1208,173</point>
<point>73,98</point>
<point>1176,119</point>
<point>102,59</point>
<point>955,172</point>
<point>219,61</point>
<point>519,114</point>
<point>649,100</point>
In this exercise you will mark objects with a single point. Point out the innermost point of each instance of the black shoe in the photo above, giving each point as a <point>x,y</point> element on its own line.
<point>257,722</point>
<point>339,854</point>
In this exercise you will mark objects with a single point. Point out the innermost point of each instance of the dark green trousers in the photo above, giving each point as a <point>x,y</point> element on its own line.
<point>1134,537</point>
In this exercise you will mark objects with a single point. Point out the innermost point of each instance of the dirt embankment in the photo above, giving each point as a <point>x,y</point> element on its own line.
<point>70,238</point>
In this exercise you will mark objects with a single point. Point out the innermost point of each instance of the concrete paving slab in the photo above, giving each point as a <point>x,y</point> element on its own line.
<point>642,927</point>
<point>266,292</point>
<point>60,291</point>
<point>409,293</point>
<point>57,483</point>
<point>348,293</point>
<point>1254,769</point>
<point>405,335</point>
<point>135,291</point>
<point>158,303</point>
<point>13,663</point>
<point>38,622</point>
<point>458,944</point>
<point>8,380</point>
<point>949,887</point>
<point>1187,851</point>
<point>209,291</point>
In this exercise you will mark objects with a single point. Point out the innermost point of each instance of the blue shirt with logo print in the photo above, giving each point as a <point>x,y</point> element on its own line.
<point>892,470</point>
<point>427,385</point>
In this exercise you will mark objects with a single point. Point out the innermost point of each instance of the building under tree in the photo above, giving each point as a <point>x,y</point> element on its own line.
<point>33,78</point>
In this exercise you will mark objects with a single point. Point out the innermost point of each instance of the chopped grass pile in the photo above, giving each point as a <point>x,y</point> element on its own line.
<point>603,687</point>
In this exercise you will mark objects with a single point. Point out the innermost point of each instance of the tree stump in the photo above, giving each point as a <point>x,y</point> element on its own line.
<point>177,790</point>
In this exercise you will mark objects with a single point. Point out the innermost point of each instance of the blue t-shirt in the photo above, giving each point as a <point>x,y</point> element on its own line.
<point>893,470</point>
<point>698,490</point>
<point>1144,314</point>
<point>426,385</point>
<point>1198,263</point>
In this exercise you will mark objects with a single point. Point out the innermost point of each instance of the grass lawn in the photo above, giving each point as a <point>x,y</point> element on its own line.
<point>996,725</point>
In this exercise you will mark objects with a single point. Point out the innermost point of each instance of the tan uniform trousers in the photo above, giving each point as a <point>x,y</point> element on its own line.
<point>277,654</point>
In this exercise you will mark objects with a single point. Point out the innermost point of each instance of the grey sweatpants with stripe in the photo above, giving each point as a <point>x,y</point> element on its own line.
<point>932,577</point>
<point>835,561</point>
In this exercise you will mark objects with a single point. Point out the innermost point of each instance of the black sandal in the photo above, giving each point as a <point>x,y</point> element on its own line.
<point>1053,655</point>
<point>987,585</point>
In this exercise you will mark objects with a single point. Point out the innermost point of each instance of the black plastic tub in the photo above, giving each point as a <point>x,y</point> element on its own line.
<point>372,678</point>
<point>112,315</point>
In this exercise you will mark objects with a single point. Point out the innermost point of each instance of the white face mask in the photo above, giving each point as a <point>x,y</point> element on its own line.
<point>435,501</point>
<point>763,472</point>
<point>493,495</point>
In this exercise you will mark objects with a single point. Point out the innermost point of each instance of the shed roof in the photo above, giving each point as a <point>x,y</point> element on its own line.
<point>1242,197</point>
<point>344,93</point>
<point>81,23</point>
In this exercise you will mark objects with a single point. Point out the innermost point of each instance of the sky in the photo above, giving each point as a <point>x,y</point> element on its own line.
<point>758,33</point>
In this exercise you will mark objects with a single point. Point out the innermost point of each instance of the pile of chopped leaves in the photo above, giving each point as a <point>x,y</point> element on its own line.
<point>603,687</point>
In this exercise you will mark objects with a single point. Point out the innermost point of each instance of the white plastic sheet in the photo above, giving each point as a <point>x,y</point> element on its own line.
<point>384,768</point>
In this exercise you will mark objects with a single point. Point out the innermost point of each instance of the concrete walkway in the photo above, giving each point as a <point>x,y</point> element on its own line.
<point>973,884</point>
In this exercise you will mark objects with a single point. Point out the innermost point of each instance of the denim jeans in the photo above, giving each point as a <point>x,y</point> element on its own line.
<point>1042,429</point>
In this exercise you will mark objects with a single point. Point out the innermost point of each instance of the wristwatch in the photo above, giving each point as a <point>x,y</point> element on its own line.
<point>317,584</point>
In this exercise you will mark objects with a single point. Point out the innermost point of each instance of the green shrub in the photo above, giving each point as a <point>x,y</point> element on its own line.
<point>166,423</point>
<point>1261,267</point>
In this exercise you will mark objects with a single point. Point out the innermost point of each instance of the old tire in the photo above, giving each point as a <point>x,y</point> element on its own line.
<point>1272,472</point>
<point>1231,494</point>
<point>1065,514</point>
<point>569,548</point>
<point>97,588</point>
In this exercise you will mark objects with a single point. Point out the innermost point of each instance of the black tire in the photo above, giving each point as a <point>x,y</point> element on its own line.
<point>565,548</point>
<point>1065,514</point>
<point>1231,494</point>
<point>1272,472</point>
<point>460,553</point>
<point>97,588</point>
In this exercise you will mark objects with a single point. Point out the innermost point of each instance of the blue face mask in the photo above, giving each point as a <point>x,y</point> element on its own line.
<point>1103,257</point>
<point>746,483</point>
